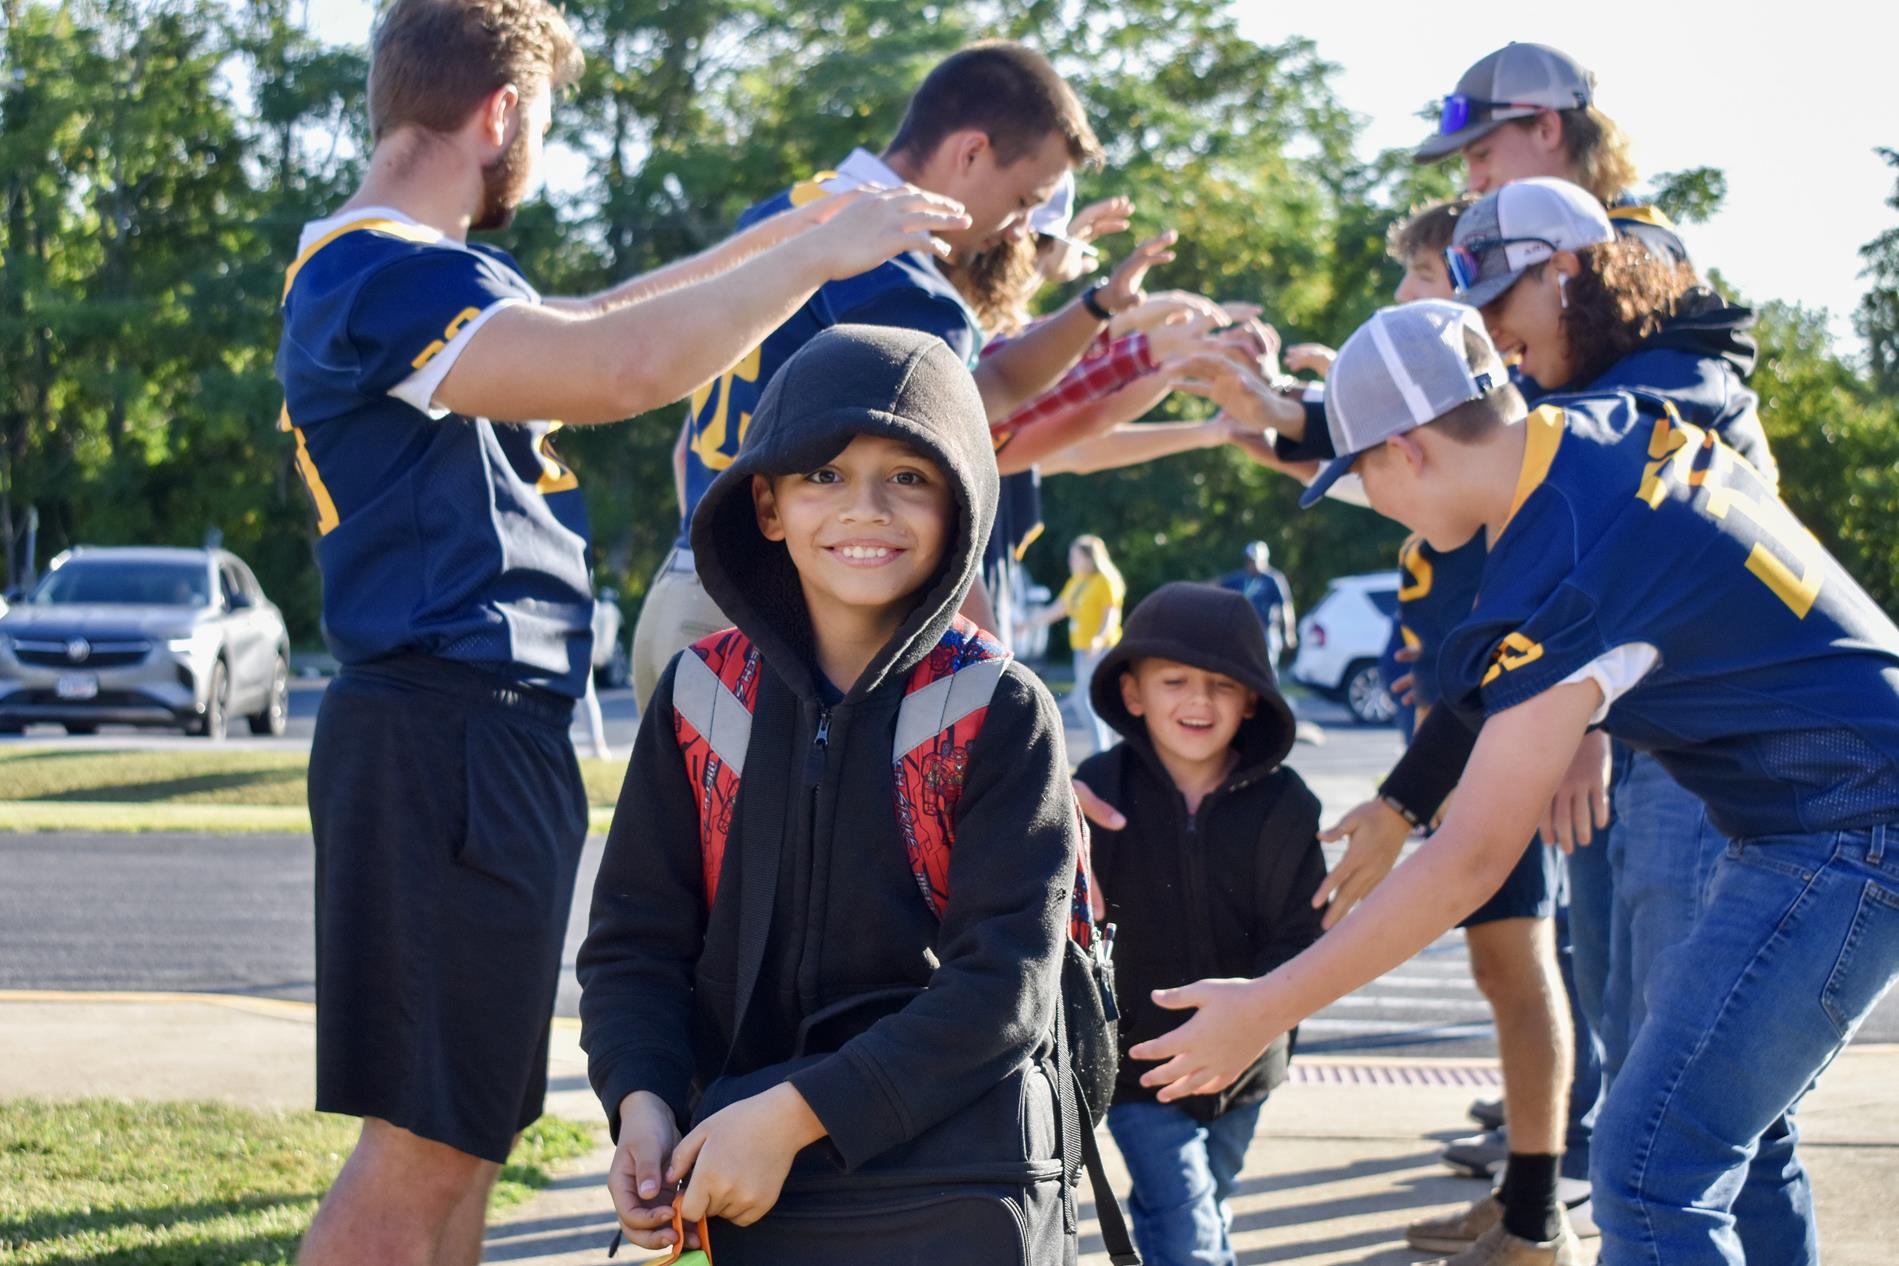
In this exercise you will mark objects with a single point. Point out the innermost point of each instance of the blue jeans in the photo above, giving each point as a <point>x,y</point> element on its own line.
<point>1183,1174</point>
<point>1585,1083</point>
<point>1694,1151</point>
<point>1100,733</point>
<point>1661,853</point>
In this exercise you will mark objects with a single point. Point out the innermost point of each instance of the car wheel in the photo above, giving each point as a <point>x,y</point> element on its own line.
<point>1366,697</point>
<point>275,718</point>
<point>75,727</point>
<point>217,706</point>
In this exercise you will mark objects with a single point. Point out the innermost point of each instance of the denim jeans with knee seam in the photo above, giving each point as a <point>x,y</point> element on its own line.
<point>1695,1164</point>
<point>1184,1172</point>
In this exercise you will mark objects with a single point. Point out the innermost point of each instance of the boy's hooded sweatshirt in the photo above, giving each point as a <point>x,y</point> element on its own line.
<point>1226,890</point>
<point>968,1003</point>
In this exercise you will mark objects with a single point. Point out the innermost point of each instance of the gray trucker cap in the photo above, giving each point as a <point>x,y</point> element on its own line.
<point>1405,366</point>
<point>1515,82</point>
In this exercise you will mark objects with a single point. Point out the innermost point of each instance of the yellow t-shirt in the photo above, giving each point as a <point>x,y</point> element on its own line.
<point>1094,610</point>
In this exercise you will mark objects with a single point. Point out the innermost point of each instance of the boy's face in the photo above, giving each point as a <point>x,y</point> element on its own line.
<point>1405,479</point>
<point>997,196</point>
<point>866,530</point>
<point>1191,713</point>
<point>1425,278</point>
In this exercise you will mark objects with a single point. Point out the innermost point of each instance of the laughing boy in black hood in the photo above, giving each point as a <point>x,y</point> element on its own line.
<point>794,999</point>
<point>1213,875</point>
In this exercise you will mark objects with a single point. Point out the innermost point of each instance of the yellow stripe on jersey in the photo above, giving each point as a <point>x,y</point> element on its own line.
<point>806,192</point>
<point>327,518</point>
<point>1650,215</point>
<point>1542,434</point>
<point>1416,568</point>
<point>555,477</point>
<point>394,228</point>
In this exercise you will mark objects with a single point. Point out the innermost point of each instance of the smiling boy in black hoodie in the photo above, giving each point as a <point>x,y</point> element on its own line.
<point>1213,875</point>
<point>784,969</point>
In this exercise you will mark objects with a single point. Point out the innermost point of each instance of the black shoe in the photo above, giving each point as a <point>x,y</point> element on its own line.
<point>1479,1155</point>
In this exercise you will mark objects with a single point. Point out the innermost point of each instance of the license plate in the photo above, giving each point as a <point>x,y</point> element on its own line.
<point>76,686</point>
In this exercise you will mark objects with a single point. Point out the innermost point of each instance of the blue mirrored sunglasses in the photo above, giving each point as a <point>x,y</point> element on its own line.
<point>1465,263</point>
<point>1457,110</point>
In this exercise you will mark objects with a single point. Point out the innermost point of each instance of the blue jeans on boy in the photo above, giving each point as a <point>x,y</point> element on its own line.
<point>1183,1172</point>
<point>1694,1151</point>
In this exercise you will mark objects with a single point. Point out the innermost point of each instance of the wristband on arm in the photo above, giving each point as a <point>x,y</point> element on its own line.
<point>1428,771</point>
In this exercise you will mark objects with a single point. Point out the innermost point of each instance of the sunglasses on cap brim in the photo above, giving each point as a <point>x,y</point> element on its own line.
<point>1459,110</point>
<point>1465,263</point>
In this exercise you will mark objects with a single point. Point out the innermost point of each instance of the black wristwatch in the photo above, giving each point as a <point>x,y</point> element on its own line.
<point>1091,300</point>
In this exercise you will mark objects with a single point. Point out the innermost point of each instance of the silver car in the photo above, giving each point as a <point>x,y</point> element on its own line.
<point>145,636</point>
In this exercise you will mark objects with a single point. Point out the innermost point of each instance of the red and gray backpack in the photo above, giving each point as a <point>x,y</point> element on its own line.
<point>945,700</point>
<point>715,690</point>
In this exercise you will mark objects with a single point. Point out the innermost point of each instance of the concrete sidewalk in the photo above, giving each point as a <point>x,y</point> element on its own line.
<point>1345,1156</point>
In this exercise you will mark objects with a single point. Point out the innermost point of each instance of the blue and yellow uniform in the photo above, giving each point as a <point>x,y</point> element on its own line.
<point>455,537</point>
<point>446,805</point>
<point>907,291</point>
<point>1772,690</point>
<point>1645,554</point>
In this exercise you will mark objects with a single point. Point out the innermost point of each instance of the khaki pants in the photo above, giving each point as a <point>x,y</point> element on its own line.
<point>676,614</point>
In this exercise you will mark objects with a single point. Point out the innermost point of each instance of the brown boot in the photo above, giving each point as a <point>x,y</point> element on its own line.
<point>1497,1247</point>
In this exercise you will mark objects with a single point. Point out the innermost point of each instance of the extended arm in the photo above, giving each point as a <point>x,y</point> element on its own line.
<point>1520,757</point>
<point>535,361</point>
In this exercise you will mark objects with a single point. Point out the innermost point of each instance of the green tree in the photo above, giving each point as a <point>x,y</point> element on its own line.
<point>1877,319</point>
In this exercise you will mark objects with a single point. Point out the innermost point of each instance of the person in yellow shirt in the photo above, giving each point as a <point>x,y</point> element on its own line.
<point>1091,601</point>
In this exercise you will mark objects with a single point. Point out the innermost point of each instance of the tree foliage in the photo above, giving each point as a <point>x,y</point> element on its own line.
<point>158,156</point>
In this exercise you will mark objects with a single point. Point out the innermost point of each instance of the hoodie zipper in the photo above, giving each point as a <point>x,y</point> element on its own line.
<point>814,759</point>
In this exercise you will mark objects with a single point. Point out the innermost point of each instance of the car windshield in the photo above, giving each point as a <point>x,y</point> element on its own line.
<point>124,583</point>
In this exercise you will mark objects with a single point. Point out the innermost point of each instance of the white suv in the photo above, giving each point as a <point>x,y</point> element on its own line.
<point>1342,639</point>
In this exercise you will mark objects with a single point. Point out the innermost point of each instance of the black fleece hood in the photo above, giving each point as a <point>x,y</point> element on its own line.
<point>1211,628</point>
<point>850,380</point>
<point>1705,324</point>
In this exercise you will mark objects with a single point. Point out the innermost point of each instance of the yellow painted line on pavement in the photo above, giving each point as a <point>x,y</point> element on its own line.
<point>118,816</point>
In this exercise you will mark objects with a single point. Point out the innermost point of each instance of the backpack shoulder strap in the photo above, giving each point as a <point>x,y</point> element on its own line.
<point>715,689</point>
<point>945,700</point>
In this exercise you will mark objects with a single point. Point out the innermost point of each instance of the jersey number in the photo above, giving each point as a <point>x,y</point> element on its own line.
<point>714,438</point>
<point>1684,455</point>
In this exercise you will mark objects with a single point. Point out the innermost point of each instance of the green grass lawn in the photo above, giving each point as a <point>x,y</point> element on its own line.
<point>51,787</point>
<point>191,1184</point>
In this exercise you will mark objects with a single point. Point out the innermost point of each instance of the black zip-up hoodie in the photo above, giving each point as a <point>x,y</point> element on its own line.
<point>1226,890</point>
<point>968,1004</point>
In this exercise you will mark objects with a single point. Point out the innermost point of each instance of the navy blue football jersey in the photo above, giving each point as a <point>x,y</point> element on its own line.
<point>1436,594</point>
<point>451,536</point>
<point>1775,697</point>
<point>908,292</point>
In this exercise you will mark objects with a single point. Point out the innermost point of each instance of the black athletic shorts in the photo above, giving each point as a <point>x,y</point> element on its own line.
<point>1529,892</point>
<point>449,816</point>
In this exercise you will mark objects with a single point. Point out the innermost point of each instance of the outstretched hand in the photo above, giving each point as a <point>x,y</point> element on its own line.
<point>1228,1031</point>
<point>867,226</point>
<point>1376,834</point>
<point>1123,290</point>
<point>1100,219</point>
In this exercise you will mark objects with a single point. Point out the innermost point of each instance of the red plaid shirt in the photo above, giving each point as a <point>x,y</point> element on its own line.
<point>1108,365</point>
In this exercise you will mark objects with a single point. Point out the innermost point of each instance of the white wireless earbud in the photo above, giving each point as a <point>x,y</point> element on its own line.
<point>1562,290</point>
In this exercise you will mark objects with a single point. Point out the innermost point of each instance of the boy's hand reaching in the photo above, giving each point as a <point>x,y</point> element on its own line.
<point>862,228</point>
<point>738,1157</point>
<point>642,1198</point>
<point>1376,834</point>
